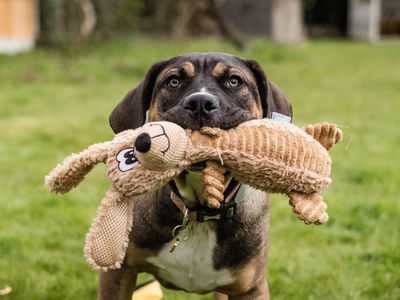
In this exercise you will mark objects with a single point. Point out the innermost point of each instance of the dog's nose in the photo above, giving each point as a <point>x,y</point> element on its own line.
<point>201,104</point>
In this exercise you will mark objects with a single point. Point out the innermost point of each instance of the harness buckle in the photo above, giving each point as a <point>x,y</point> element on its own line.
<point>226,211</point>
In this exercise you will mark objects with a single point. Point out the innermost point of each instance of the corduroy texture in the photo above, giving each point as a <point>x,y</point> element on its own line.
<point>266,154</point>
<point>275,157</point>
<point>324,133</point>
<point>309,207</point>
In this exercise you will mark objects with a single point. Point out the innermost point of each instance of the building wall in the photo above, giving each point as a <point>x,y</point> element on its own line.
<point>364,19</point>
<point>17,25</point>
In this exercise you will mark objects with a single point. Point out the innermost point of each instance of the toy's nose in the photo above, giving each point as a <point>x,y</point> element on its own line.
<point>143,142</point>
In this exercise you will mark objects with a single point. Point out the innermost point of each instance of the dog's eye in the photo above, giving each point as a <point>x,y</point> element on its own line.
<point>234,81</point>
<point>173,82</point>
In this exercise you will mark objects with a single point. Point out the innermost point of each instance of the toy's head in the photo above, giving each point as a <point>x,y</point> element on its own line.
<point>146,158</point>
<point>159,145</point>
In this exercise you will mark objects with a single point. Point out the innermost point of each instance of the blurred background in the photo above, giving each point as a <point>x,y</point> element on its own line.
<point>61,22</point>
<point>64,65</point>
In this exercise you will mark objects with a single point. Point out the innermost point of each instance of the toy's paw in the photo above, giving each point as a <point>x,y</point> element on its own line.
<point>309,208</point>
<point>326,134</point>
<point>214,184</point>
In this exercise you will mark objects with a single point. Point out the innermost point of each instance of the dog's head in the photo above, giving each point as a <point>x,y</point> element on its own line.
<point>196,90</point>
<point>201,89</point>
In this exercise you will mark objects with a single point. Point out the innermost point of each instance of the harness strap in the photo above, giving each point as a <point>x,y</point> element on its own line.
<point>227,210</point>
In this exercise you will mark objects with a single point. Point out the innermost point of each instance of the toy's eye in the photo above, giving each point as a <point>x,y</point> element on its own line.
<point>234,81</point>
<point>173,82</point>
<point>127,159</point>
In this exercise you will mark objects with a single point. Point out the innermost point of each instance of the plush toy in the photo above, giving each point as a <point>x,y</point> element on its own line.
<point>269,155</point>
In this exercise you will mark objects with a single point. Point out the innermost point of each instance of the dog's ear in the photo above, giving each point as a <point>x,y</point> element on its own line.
<point>271,97</point>
<point>130,113</point>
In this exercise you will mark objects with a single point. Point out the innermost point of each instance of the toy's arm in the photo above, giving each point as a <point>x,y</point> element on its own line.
<point>74,168</point>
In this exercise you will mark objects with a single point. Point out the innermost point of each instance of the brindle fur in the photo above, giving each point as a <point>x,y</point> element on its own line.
<point>241,245</point>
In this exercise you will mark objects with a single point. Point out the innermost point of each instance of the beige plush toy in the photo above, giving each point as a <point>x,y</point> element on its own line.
<point>269,155</point>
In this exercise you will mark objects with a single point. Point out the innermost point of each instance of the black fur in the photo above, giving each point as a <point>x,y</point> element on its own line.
<point>230,100</point>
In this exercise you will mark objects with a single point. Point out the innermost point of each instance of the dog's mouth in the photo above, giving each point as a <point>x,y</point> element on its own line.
<point>190,183</point>
<point>226,119</point>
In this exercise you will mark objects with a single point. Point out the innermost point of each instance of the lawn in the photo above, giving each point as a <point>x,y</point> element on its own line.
<point>53,103</point>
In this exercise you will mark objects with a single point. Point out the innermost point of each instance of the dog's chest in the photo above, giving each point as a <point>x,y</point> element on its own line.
<point>190,265</point>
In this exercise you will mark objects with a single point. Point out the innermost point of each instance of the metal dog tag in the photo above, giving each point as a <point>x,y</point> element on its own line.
<point>174,244</point>
<point>181,228</point>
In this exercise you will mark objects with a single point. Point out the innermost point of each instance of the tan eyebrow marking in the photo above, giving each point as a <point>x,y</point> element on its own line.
<point>189,69</point>
<point>169,72</point>
<point>219,69</point>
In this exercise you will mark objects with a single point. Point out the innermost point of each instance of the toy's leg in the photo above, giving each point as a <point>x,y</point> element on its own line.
<point>108,236</point>
<point>117,284</point>
<point>325,133</point>
<point>214,186</point>
<point>309,207</point>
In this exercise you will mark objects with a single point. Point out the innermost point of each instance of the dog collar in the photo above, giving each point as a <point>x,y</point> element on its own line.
<point>227,210</point>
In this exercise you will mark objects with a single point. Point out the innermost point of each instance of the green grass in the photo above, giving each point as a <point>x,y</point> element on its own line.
<point>54,103</point>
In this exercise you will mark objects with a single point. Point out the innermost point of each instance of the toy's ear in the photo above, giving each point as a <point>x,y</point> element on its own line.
<point>74,168</point>
<point>271,97</point>
<point>130,113</point>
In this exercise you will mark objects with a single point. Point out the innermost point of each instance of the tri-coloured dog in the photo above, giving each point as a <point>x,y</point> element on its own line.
<point>221,250</point>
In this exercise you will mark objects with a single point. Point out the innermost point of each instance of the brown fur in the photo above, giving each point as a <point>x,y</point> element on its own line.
<point>256,110</point>
<point>154,113</point>
<point>189,69</point>
<point>219,70</point>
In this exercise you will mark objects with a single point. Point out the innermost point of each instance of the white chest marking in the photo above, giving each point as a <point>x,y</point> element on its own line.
<point>190,265</point>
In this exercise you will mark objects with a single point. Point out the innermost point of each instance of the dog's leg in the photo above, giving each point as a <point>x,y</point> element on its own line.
<point>258,292</point>
<point>117,284</point>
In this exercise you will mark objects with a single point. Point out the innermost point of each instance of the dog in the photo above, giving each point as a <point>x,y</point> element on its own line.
<point>216,252</point>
